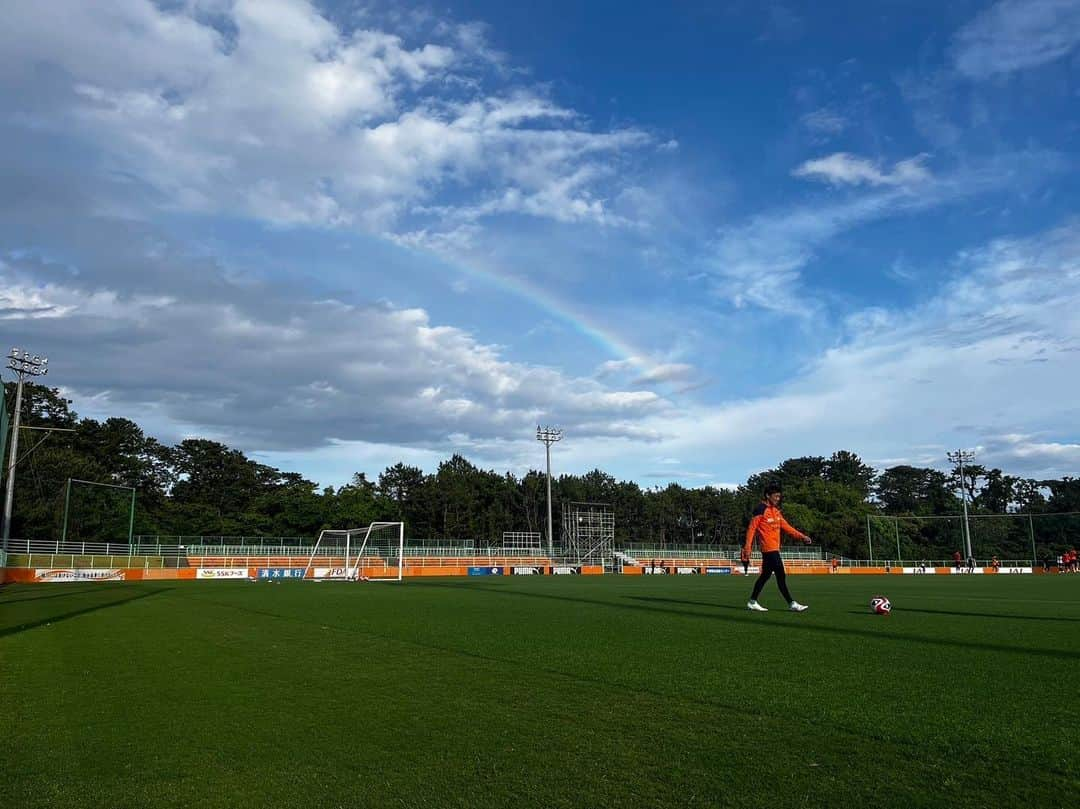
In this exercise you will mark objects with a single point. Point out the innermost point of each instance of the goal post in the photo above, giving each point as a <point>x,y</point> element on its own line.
<point>112,531</point>
<point>375,552</point>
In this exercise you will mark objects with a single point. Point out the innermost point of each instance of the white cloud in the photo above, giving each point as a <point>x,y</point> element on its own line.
<point>759,263</point>
<point>1016,35</point>
<point>843,168</point>
<point>970,366</point>
<point>610,367</point>
<point>824,121</point>
<point>666,372</point>
<point>214,359</point>
<point>645,373</point>
<point>293,120</point>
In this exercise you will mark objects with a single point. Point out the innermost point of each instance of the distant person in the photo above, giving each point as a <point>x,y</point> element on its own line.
<point>835,564</point>
<point>956,559</point>
<point>971,564</point>
<point>765,527</point>
<point>1046,564</point>
<point>744,557</point>
<point>994,563</point>
<point>924,564</point>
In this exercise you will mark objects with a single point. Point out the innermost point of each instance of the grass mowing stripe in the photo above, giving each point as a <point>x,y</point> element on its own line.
<point>632,688</point>
<point>53,619</point>
<point>453,696</point>
<point>803,618</point>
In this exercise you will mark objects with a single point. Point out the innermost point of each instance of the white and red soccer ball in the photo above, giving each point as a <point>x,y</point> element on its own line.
<point>879,605</point>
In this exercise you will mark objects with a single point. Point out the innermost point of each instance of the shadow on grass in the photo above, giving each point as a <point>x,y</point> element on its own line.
<point>800,624</point>
<point>988,615</point>
<point>710,604</point>
<point>64,616</point>
<point>68,591</point>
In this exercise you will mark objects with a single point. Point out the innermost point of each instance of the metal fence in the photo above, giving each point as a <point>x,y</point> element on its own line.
<point>156,552</point>
<point>646,553</point>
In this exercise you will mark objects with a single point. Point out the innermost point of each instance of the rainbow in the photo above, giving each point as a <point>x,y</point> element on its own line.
<point>560,310</point>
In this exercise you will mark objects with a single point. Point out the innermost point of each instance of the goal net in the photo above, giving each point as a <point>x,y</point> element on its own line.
<point>373,553</point>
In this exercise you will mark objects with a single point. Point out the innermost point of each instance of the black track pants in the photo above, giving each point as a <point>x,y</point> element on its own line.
<point>772,563</point>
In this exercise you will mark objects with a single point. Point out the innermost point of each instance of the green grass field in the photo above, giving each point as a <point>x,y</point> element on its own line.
<point>545,692</point>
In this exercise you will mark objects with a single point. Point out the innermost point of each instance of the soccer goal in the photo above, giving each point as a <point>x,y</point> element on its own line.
<point>373,553</point>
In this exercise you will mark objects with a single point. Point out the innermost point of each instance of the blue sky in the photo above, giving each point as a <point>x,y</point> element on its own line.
<point>701,237</point>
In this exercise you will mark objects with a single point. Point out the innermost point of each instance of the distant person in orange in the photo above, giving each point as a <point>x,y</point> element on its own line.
<point>835,564</point>
<point>994,563</point>
<point>956,557</point>
<point>765,527</point>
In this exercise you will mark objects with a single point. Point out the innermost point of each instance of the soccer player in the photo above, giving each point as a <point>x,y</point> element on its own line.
<point>765,526</point>
<point>744,557</point>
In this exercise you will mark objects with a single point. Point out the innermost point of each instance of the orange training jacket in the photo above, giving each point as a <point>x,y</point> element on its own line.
<point>766,525</point>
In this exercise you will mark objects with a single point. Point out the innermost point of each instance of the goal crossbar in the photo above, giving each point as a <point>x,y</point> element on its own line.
<point>358,546</point>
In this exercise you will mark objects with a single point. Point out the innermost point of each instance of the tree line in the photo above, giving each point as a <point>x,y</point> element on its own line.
<point>200,487</point>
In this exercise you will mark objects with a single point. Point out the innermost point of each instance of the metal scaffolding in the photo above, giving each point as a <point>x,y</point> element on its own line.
<point>589,532</point>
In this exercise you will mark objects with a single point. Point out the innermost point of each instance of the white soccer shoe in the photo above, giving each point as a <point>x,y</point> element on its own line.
<point>797,607</point>
<point>753,606</point>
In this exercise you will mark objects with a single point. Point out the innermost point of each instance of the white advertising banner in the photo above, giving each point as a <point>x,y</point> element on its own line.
<point>330,572</point>
<point>564,570</point>
<point>77,574</point>
<point>965,571</point>
<point>1014,570</point>
<point>221,573</point>
<point>920,571</point>
<point>686,571</point>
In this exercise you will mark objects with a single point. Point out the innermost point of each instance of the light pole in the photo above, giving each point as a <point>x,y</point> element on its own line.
<point>23,363</point>
<point>549,435</point>
<point>959,457</point>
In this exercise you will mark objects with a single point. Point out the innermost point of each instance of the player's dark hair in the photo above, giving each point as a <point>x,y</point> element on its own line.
<point>773,488</point>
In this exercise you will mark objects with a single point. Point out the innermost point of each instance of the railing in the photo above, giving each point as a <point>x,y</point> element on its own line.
<point>53,553</point>
<point>718,552</point>
<point>90,548</point>
<point>932,563</point>
<point>246,541</point>
<point>189,541</point>
<point>68,560</point>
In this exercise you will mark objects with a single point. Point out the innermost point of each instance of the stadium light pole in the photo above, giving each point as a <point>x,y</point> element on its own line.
<point>549,435</point>
<point>24,364</point>
<point>959,457</point>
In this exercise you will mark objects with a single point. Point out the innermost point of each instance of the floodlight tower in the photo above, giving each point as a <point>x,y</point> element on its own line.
<point>24,364</point>
<point>549,435</point>
<point>959,457</point>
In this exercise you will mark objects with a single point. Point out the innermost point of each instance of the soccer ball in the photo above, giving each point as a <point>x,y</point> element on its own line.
<point>879,605</point>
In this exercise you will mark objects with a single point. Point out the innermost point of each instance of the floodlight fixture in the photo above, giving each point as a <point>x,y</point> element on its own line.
<point>24,364</point>
<point>549,435</point>
<point>959,457</point>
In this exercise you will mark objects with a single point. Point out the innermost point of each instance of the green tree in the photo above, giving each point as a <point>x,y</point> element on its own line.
<point>847,469</point>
